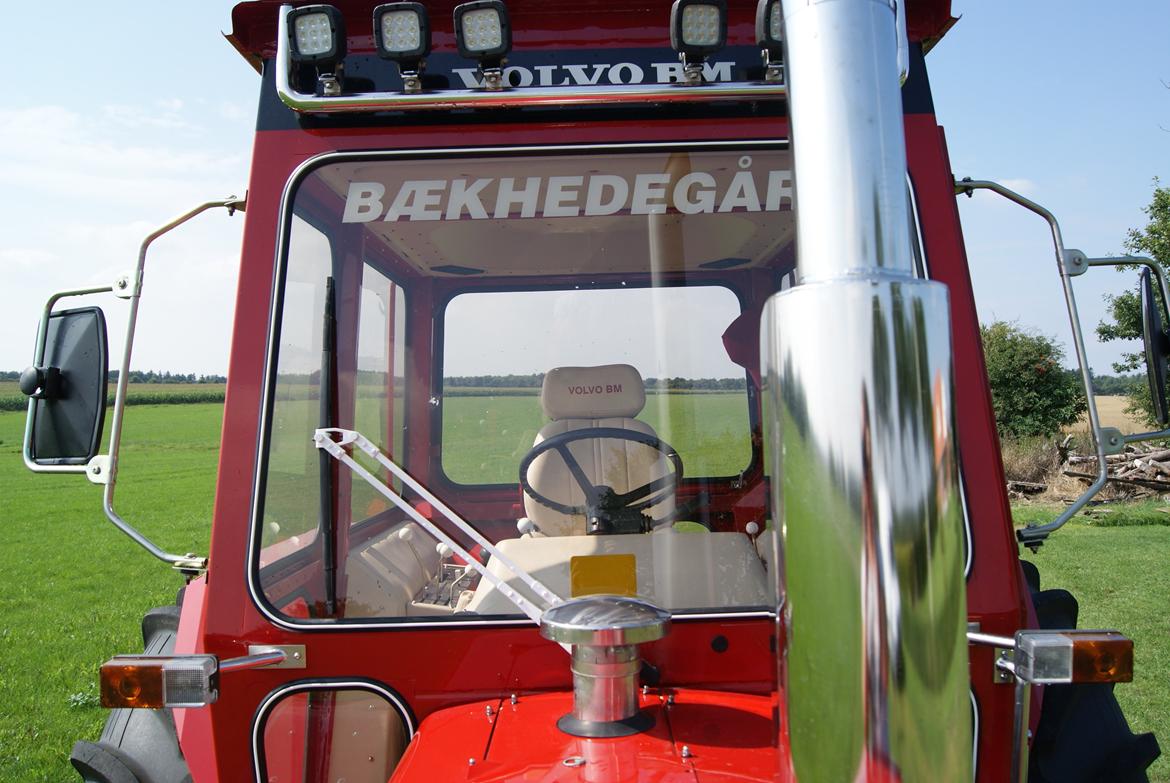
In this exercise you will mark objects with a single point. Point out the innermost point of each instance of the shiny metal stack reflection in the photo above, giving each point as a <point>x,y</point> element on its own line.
<point>857,360</point>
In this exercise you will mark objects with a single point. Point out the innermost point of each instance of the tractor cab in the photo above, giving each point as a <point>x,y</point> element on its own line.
<point>592,415</point>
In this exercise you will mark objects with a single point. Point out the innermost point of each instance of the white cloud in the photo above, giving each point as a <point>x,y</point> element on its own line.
<point>26,257</point>
<point>233,111</point>
<point>1024,187</point>
<point>82,189</point>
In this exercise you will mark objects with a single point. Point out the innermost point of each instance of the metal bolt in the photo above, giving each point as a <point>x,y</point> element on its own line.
<point>95,470</point>
<point>488,710</point>
<point>471,762</point>
<point>514,699</point>
<point>670,700</point>
<point>122,282</point>
<point>686,751</point>
<point>645,690</point>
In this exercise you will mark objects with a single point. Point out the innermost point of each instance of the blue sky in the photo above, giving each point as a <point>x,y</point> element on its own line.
<point>100,143</point>
<point>1065,102</point>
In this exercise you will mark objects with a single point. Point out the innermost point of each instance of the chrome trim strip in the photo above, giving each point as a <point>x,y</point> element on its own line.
<point>920,240</point>
<point>509,97</point>
<point>254,589</point>
<point>1020,731</point>
<point>271,657</point>
<point>990,640</point>
<point>324,685</point>
<point>974,736</point>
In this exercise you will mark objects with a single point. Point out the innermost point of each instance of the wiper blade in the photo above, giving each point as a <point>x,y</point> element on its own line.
<point>324,440</point>
<point>327,514</point>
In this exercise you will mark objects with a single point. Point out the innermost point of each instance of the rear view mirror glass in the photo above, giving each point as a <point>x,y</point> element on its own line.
<point>1157,345</point>
<point>67,387</point>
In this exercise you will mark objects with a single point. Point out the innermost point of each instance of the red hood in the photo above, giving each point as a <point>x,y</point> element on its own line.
<point>728,737</point>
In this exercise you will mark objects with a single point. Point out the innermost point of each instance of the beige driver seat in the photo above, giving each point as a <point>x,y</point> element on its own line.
<point>577,398</point>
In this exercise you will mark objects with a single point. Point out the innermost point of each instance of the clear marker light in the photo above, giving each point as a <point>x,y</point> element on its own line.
<point>482,30</point>
<point>401,31</point>
<point>700,25</point>
<point>314,34</point>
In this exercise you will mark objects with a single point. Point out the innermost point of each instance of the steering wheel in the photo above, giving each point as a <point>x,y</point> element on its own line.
<point>605,510</point>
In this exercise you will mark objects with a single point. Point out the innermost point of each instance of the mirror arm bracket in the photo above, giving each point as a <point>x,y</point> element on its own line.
<point>127,286</point>
<point>1075,262</point>
<point>1112,441</point>
<point>97,470</point>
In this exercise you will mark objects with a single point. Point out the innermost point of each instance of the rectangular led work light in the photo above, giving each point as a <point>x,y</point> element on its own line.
<point>698,28</point>
<point>402,32</point>
<point>316,36</point>
<point>482,31</point>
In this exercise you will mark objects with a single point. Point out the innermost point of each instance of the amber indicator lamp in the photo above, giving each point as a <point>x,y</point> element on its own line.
<point>1102,656</point>
<point>131,685</point>
<point>154,682</point>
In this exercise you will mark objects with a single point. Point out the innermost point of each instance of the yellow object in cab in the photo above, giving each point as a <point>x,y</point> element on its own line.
<point>603,575</point>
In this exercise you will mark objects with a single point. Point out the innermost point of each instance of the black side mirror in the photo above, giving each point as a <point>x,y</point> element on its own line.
<point>67,387</point>
<point>1157,344</point>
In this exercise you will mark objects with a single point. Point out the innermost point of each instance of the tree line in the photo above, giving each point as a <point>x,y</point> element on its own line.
<point>535,380</point>
<point>143,376</point>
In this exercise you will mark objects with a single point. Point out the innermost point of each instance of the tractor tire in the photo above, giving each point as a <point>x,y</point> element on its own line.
<point>138,745</point>
<point>1083,736</point>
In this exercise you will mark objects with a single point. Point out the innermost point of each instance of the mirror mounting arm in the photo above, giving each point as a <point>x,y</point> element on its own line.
<point>129,286</point>
<point>1073,263</point>
<point>103,468</point>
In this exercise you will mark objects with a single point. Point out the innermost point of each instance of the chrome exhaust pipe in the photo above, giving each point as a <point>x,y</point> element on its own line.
<point>857,359</point>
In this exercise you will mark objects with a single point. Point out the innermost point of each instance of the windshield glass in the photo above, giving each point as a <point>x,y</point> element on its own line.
<point>562,346</point>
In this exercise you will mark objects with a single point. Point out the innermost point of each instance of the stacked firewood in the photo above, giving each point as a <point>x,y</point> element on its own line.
<point>1140,471</point>
<point>1146,469</point>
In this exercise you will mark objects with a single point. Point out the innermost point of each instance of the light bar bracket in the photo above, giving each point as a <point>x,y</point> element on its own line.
<point>507,97</point>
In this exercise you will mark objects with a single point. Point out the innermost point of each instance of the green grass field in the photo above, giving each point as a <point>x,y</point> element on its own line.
<point>73,588</point>
<point>484,438</point>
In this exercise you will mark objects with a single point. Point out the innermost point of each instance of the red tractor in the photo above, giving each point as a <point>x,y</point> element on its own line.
<point>591,416</point>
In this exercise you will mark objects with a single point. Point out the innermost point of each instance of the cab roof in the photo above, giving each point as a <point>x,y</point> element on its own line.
<point>543,24</point>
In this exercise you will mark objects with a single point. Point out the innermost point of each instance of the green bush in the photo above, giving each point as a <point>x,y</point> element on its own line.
<point>1035,459</point>
<point>1030,391</point>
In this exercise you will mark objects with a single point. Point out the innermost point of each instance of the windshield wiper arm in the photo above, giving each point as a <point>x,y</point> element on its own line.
<point>324,440</point>
<point>327,515</point>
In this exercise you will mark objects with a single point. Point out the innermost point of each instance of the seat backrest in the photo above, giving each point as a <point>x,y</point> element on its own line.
<point>578,398</point>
